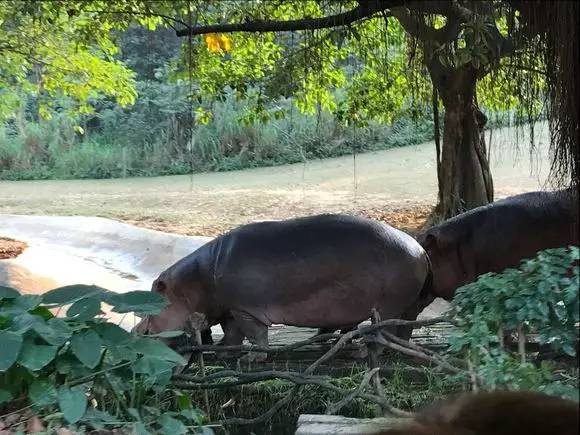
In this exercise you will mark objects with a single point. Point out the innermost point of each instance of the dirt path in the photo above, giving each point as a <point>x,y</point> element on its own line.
<point>386,182</point>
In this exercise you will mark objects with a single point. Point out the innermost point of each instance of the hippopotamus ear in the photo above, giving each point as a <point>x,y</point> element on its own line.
<point>159,286</point>
<point>431,240</point>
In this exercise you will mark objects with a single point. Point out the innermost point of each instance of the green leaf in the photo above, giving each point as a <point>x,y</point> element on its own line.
<point>85,309</point>
<point>5,396</point>
<point>141,302</point>
<point>86,346</point>
<point>10,344</point>
<point>42,393</point>
<point>25,321</point>
<point>55,331</point>
<point>8,292</point>
<point>21,304</point>
<point>112,334</point>
<point>140,429</point>
<point>170,425</point>
<point>153,367</point>
<point>98,419</point>
<point>193,415</point>
<point>35,357</point>
<point>153,348</point>
<point>183,401</point>
<point>569,349</point>
<point>71,293</point>
<point>42,312</point>
<point>72,403</point>
<point>166,334</point>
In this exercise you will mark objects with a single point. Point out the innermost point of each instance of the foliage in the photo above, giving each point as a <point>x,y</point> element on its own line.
<point>151,138</point>
<point>540,298</point>
<point>54,363</point>
<point>49,50</point>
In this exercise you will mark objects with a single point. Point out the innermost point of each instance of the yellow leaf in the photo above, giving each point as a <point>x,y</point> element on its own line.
<point>212,42</point>
<point>225,43</point>
<point>218,43</point>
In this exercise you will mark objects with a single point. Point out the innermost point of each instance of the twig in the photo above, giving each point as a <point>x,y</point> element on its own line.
<point>420,349</point>
<point>257,348</point>
<point>202,368</point>
<point>301,380</point>
<point>522,344</point>
<point>306,377</point>
<point>421,355</point>
<point>365,330</point>
<point>334,408</point>
<point>195,382</point>
<point>362,330</point>
<point>267,415</point>
<point>473,376</point>
<point>374,359</point>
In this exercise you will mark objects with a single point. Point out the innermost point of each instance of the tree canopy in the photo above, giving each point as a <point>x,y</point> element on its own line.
<point>383,55</point>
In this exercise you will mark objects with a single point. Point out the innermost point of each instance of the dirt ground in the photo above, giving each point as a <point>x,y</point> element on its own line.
<point>397,185</point>
<point>10,248</point>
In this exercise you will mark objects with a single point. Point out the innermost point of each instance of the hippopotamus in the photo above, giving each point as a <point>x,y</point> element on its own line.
<point>498,236</point>
<point>324,271</point>
<point>493,412</point>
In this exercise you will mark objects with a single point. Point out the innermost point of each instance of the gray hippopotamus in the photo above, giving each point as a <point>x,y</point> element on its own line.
<point>499,236</point>
<point>326,271</point>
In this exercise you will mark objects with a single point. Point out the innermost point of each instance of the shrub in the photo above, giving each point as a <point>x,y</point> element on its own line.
<point>65,363</point>
<point>541,298</point>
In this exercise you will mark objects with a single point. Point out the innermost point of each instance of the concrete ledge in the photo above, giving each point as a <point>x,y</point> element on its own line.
<point>309,424</point>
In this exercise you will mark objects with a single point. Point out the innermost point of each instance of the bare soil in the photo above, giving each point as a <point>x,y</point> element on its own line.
<point>10,248</point>
<point>397,186</point>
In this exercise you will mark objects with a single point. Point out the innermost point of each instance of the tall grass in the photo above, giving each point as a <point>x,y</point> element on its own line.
<point>151,140</point>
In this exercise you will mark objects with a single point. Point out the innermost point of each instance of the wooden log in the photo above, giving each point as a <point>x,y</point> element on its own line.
<point>309,424</point>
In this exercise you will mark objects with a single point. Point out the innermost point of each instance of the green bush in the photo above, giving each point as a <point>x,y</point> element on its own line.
<point>541,298</point>
<point>65,363</point>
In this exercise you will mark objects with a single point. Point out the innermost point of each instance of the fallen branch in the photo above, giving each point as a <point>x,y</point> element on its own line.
<point>306,378</point>
<point>334,408</point>
<point>257,348</point>
<point>264,417</point>
<point>417,351</point>
<point>201,383</point>
<point>421,355</point>
<point>362,330</point>
<point>366,330</point>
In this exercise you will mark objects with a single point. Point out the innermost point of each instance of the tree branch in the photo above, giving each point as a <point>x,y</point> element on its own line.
<point>363,10</point>
<point>334,408</point>
<point>418,29</point>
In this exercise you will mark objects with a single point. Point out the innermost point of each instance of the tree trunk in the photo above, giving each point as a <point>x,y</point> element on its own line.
<point>464,177</point>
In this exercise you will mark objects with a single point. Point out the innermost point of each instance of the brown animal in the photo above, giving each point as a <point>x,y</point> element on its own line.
<point>325,271</point>
<point>497,236</point>
<point>496,413</point>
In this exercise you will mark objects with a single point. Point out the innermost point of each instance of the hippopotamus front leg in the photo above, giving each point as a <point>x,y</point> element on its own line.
<point>242,325</point>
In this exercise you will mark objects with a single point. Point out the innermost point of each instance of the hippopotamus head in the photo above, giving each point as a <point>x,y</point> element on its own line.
<point>185,295</point>
<point>449,272</point>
